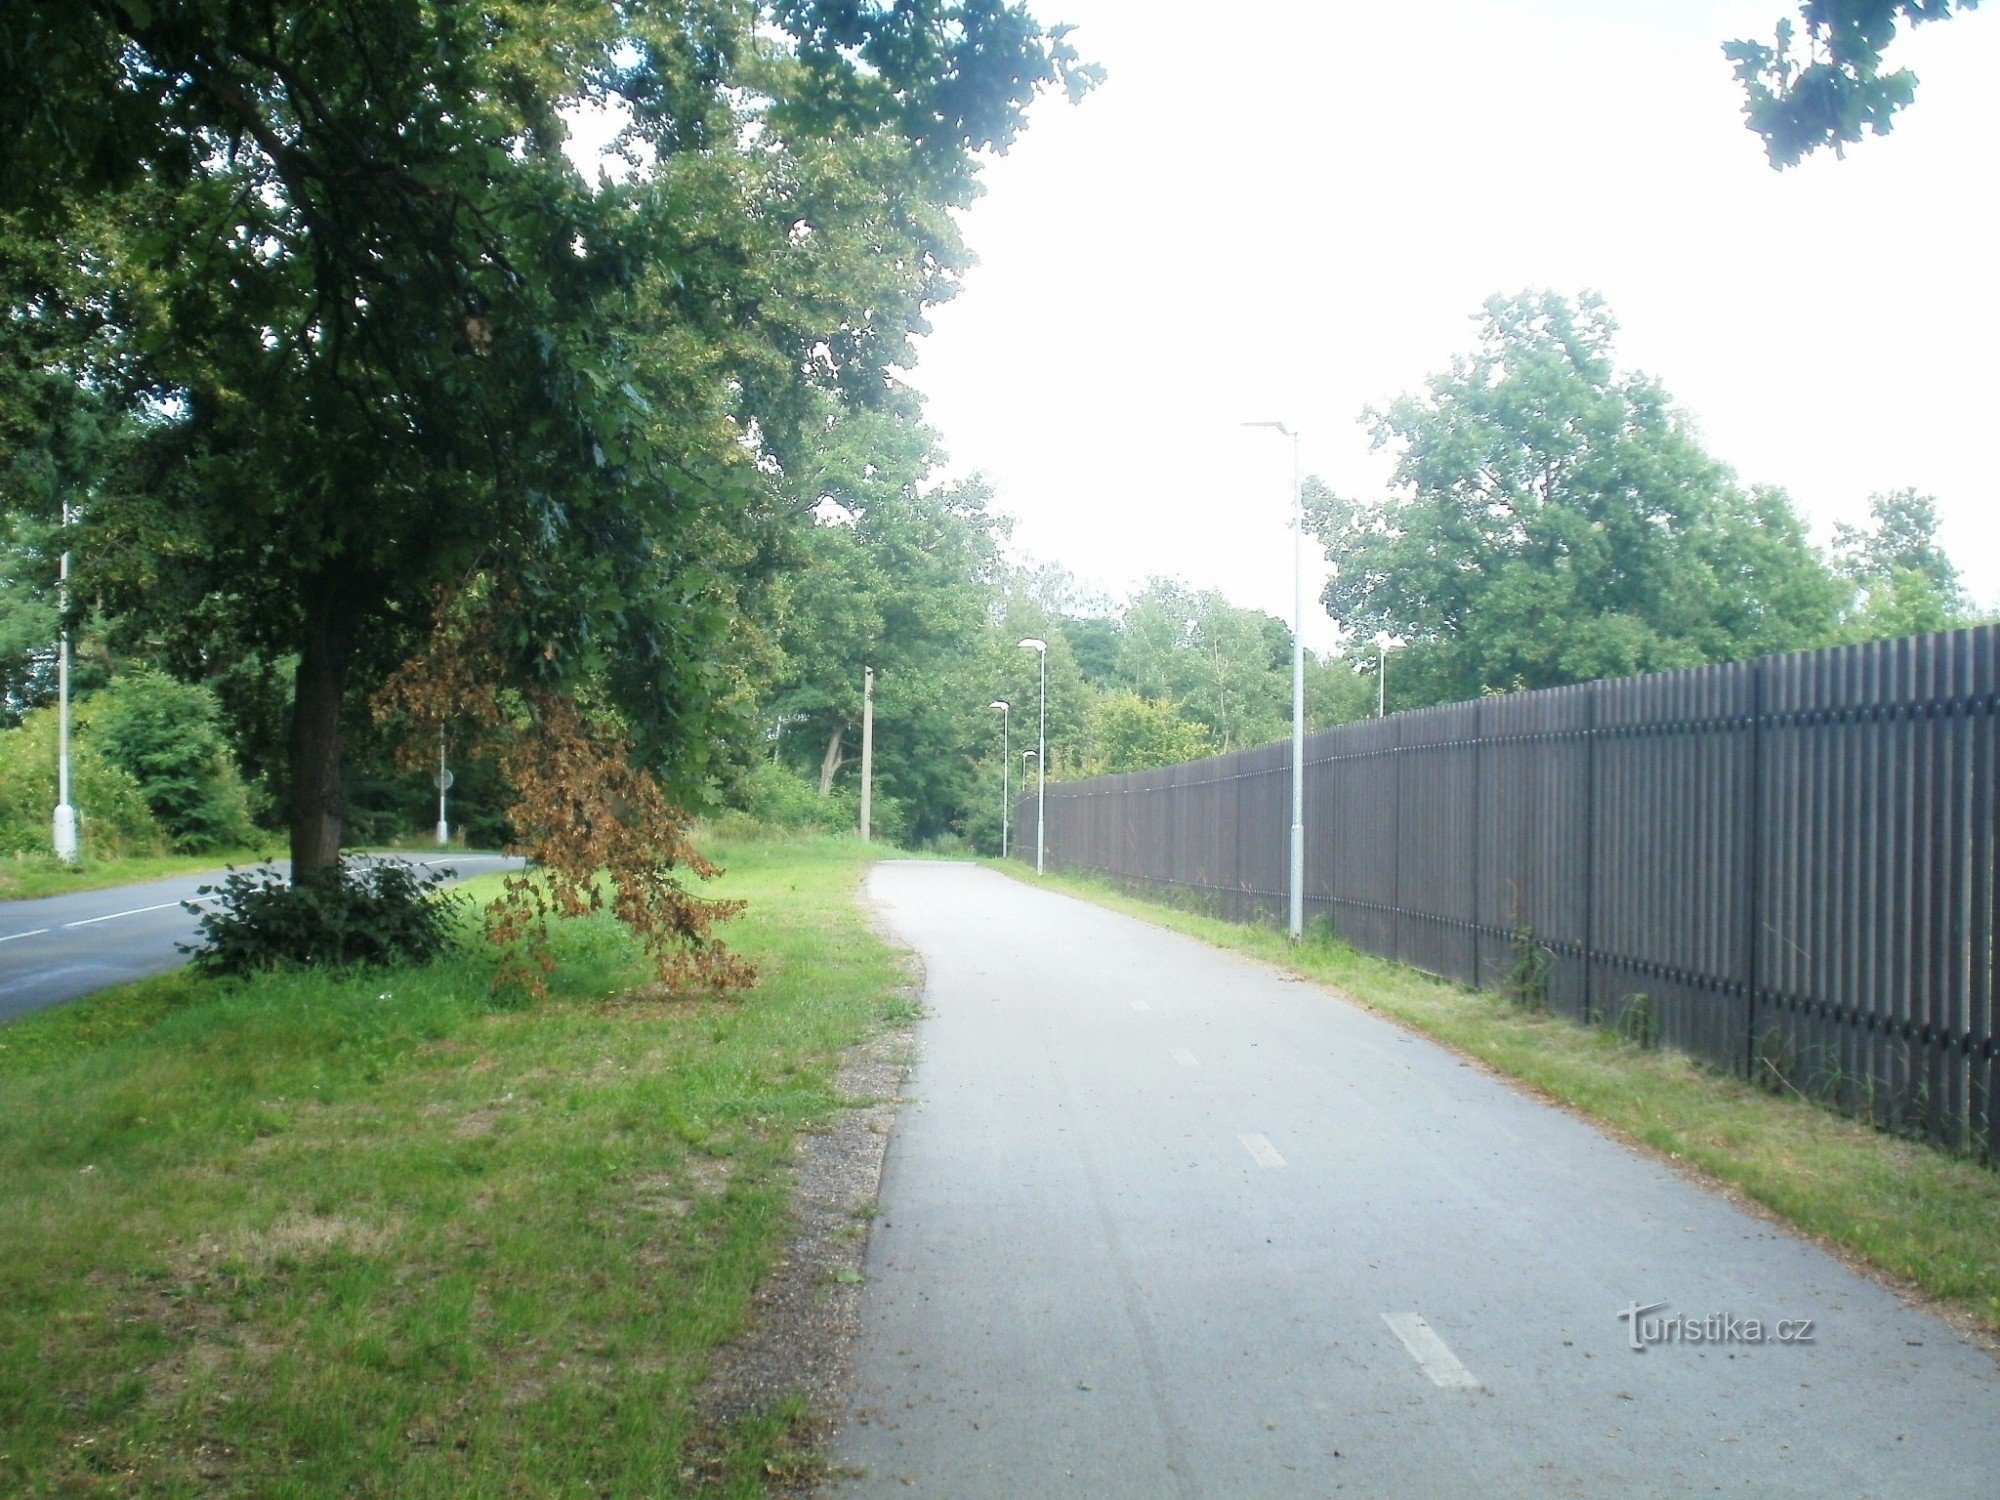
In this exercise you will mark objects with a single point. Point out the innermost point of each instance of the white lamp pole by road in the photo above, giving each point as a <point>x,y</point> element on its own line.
<point>65,819</point>
<point>1004,758</point>
<point>1041,649</point>
<point>1295,922</point>
<point>444,784</point>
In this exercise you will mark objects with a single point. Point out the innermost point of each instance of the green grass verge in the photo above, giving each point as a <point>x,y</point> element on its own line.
<point>24,877</point>
<point>381,1234</point>
<point>1924,1217</point>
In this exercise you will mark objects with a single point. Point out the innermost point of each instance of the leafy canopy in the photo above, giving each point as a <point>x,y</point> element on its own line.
<point>371,337</point>
<point>1838,90</point>
<point>1552,519</point>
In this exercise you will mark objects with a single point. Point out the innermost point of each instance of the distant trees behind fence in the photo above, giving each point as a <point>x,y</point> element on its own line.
<point>1785,866</point>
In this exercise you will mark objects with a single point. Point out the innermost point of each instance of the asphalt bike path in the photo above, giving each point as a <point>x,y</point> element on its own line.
<point>1159,1220</point>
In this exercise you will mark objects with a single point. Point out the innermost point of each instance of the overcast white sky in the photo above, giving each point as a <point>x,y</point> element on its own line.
<point>1288,209</point>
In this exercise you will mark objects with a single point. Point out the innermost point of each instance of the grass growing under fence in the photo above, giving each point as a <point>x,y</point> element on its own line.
<point>381,1234</point>
<point>1924,1217</point>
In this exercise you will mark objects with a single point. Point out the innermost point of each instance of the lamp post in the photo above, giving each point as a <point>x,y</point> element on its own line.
<point>444,785</point>
<point>1295,923</point>
<point>1025,759</point>
<point>65,819</point>
<point>1001,704</point>
<point>1381,674</point>
<point>1041,649</point>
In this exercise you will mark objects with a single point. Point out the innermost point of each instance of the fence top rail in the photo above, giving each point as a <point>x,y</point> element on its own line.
<point>1947,672</point>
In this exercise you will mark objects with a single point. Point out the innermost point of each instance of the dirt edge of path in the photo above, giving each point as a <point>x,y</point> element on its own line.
<point>806,1313</point>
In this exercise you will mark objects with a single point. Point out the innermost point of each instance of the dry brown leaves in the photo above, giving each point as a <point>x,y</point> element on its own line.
<point>582,808</point>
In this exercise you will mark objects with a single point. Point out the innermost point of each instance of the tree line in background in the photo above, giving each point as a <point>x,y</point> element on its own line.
<point>1551,519</point>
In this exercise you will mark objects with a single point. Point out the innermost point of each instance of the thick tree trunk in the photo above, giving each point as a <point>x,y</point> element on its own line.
<point>832,761</point>
<point>317,793</point>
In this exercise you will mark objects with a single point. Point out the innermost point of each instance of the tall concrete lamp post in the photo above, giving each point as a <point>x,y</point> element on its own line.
<point>1001,704</point>
<point>64,832</point>
<point>1295,922</point>
<point>1041,649</point>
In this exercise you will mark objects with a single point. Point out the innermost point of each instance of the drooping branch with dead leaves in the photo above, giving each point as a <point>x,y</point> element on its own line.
<point>585,814</point>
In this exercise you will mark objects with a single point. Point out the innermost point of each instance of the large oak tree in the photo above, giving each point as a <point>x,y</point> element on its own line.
<point>378,341</point>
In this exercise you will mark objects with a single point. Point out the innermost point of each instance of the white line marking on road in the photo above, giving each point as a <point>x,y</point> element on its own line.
<point>1140,1005</point>
<point>114,916</point>
<point>1185,1058</point>
<point>1432,1354</point>
<point>1265,1154</point>
<point>37,932</point>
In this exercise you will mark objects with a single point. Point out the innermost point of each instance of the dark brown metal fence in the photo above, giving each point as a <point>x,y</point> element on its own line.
<point>1785,866</point>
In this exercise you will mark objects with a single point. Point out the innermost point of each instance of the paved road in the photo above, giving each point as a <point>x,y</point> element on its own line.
<point>1159,1222</point>
<point>60,947</point>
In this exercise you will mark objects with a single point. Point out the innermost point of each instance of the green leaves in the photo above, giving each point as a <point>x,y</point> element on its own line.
<point>1553,520</point>
<point>1837,91</point>
<point>378,341</point>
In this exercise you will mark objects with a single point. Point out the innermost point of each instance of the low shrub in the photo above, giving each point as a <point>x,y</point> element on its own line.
<point>370,911</point>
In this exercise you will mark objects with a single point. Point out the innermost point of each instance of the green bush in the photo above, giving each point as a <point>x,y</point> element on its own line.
<point>780,798</point>
<point>167,736</point>
<point>113,820</point>
<point>371,911</point>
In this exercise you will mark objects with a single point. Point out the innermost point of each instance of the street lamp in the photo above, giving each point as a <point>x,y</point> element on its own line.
<point>1001,704</point>
<point>1296,915</point>
<point>1041,649</point>
<point>444,785</point>
<point>64,831</point>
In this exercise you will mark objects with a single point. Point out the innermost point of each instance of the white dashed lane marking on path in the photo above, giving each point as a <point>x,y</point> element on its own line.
<point>1261,1151</point>
<point>1185,1058</point>
<point>32,932</point>
<point>1432,1354</point>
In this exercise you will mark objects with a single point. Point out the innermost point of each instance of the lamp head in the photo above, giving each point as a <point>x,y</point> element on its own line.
<point>1279,426</point>
<point>1033,644</point>
<point>999,704</point>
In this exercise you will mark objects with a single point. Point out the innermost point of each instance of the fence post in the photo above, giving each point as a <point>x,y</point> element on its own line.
<point>1590,696</point>
<point>1396,841</point>
<point>1478,830</point>
<point>1751,843</point>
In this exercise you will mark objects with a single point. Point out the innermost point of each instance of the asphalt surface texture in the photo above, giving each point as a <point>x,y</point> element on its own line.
<point>1158,1220</point>
<point>59,948</point>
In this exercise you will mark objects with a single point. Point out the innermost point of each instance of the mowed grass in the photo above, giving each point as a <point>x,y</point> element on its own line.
<point>1924,1217</point>
<point>23,877</point>
<point>381,1234</point>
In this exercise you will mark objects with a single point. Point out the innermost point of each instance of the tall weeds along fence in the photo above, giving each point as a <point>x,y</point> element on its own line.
<point>1785,866</point>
